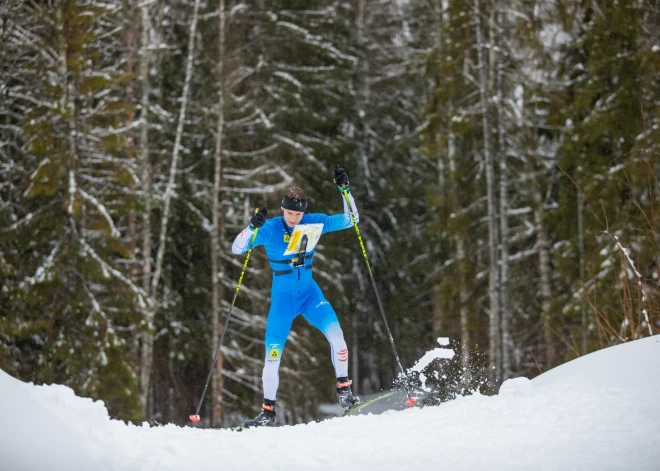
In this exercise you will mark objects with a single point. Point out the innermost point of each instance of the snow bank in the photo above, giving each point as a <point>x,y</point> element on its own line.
<point>600,412</point>
<point>33,436</point>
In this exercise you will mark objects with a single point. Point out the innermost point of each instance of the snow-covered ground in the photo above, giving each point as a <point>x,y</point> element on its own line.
<point>599,412</point>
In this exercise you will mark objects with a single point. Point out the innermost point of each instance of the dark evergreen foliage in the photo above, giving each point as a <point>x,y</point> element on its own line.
<point>388,90</point>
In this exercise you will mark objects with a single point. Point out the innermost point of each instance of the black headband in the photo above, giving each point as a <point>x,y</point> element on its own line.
<point>294,204</point>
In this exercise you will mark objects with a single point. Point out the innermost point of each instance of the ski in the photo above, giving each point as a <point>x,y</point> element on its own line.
<point>369,402</point>
<point>349,411</point>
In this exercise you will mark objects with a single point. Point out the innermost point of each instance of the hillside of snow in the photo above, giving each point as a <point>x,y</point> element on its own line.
<point>599,412</point>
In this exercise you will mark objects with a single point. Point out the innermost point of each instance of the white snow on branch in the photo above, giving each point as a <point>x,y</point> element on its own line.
<point>44,269</point>
<point>18,223</point>
<point>101,208</point>
<point>238,8</point>
<point>108,271</point>
<point>318,41</point>
<point>43,163</point>
<point>267,122</point>
<point>615,169</point>
<point>289,78</point>
<point>105,132</point>
<point>303,68</point>
<point>254,153</point>
<point>519,211</point>
<point>72,191</point>
<point>262,189</point>
<point>206,224</point>
<point>304,149</point>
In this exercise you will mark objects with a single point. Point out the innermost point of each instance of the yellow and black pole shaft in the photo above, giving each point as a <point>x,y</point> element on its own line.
<point>344,191</point>
<point>195,417</point>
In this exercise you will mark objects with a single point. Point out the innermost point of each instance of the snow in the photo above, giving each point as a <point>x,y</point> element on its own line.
<point>444,341</point>
<point>599,412</point>
<point>430,356</point>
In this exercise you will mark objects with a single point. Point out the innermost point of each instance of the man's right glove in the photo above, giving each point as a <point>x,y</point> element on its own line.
<point>340,178</point>
<point>258,218</point>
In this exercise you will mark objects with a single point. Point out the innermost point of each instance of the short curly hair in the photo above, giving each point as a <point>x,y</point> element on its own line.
<point>295,192</point>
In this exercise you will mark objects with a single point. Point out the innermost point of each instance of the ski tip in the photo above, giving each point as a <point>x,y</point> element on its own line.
<point>194,418</point>
<point>410,402</point>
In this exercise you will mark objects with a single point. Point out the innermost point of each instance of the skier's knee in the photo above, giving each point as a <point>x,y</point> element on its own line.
<point>273,352</point>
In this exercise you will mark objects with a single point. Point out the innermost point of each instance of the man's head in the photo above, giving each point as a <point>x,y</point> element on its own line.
<point>294,205</point>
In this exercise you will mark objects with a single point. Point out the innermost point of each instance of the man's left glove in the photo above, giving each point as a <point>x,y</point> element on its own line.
<point>340,178</point>
<point>258,218</point>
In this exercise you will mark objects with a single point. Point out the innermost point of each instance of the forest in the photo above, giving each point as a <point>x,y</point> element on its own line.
<point>503,155</point>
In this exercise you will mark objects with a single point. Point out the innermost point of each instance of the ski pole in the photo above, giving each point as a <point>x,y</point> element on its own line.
<point>410,401</point>
<point>195,417</point>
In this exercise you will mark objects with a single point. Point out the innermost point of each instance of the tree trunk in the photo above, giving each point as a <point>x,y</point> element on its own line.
<point>169,191</point>
<point>464,298</point>
<point>362,99</point>
<point>438,17</point>
<point>580,214</point>
<point>494,358</point>
<point>546,274</point>
<point>129,29</point>
<point>507,346</point>
<point>145,61</point>
<point>216,390</point>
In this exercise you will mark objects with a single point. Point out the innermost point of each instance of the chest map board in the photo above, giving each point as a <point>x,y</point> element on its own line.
<point>313,233</point>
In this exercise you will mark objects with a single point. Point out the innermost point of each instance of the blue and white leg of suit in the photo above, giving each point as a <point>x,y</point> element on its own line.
<point>295,292</point>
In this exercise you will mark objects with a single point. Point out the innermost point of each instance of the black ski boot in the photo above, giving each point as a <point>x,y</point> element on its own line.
<point>266,417</point>
<point>344,394</point>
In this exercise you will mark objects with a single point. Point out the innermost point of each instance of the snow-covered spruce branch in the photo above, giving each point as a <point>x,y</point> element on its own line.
<point>319,42</point>
<point>304,149</point>
<point>248,174</point>
<point>253,153</point>
<point>234,377</point>
<point>242,318</point>
<point>261,190</point>
<point>26,220</point>
<point>43,270</point>
<point>101,208</point>
<point>206,224</point>
<point>143,300</point>
<point>96,307</point>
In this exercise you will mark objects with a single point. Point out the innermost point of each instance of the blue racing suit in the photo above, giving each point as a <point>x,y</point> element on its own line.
<point>295,292</point>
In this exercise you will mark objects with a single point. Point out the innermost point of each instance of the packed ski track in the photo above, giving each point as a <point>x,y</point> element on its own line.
<point>599,412</point>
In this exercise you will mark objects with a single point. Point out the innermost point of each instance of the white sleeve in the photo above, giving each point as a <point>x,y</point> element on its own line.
<point>242,240</point>
<point>347,212</point>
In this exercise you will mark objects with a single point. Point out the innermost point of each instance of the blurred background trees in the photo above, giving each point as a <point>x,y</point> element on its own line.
<point>503,155</point>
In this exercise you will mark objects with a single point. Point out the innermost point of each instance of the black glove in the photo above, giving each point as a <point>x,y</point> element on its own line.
<point>340,178</point>
<point>258,218</point>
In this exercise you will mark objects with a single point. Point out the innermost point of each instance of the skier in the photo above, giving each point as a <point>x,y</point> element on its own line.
<point>294,290</point>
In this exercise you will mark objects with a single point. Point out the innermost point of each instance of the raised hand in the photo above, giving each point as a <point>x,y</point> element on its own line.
<point>258,218</point>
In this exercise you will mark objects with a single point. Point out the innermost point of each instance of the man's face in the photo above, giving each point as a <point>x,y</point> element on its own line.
<point>292,217</point>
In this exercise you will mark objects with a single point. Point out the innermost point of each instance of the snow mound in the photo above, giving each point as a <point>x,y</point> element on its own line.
<point>33,435</point>
<point>599,412</point>
<point>630,365</point>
